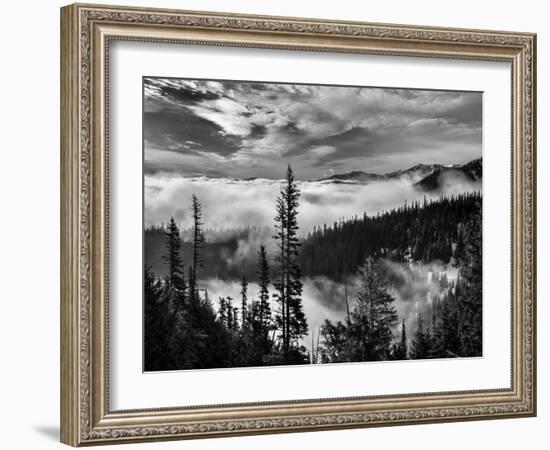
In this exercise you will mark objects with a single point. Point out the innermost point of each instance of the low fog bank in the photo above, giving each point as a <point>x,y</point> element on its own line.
<point>235,204</point>
<point>414,287</point>
<point>317,305</point>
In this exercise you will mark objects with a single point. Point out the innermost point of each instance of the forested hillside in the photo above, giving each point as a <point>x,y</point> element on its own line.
<point>184,328</point>
<point>419,231</point>
<point>424,232</point>
<point>469,172</point>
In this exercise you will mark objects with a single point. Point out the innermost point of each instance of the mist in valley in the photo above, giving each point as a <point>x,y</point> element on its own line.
<point>242,211</point>
<point>279,216</point>
<point>414,286</point>
<point>235,204</point>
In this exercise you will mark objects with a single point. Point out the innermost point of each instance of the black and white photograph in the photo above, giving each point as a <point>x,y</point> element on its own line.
<point>288,224</point>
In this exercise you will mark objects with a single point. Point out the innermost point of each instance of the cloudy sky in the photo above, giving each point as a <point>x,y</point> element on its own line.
<point>248,129</point>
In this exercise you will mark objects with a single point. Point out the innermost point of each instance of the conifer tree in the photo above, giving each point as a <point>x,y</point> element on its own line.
<point>404,346</point>
<point>235,318</point>
<point>156,355</point>
<point>449,326</point>
<point>183,337</point>
<point>264,312</point>
<point>401,350</point>
<point>291,318</point>
<point>469,291</point>
<point>421,345</point>
<point>198,244</point>
<point>374,317</point>
<point>176,285</point>
<point>368,334</point>
<point>222,312</point>
<point>244,303</point>
<point>230,314</point>
<point>338,344</point>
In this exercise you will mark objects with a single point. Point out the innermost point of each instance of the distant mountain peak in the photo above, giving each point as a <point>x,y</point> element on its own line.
<point>416,173</point>
<point>358,176</point>
<point>469,172</point>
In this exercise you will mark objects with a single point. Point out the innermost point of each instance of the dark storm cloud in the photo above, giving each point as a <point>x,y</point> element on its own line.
<point>184,94</point>
<point>180,130</point>
<point>243,129</point>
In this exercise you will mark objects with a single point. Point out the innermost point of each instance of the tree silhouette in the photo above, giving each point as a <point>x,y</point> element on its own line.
<point>290,319</point>
<point>264,313</point>
<point>155,322</point>
<point>244,303</point>
<point>469,289</point>
<point>374,316</point>
<point>198,244</point>
<point>368,334</point>
<point>401,350</point>
<point>421,346</point>
<point>177,288</point>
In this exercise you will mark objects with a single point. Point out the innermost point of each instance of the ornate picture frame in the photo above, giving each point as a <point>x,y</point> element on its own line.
<point>86,34</point>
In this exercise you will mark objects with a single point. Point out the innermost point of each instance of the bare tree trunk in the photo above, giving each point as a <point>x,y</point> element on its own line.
<point>317,348</point>
<point>312,349</point>
<point>347,303</point>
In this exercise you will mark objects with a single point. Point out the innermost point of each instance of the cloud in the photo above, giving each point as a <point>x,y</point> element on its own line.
<point>248,245</point>
<point>316,304</point>
<point>173,129</point>
<point>413,286</point>
<point>231,116</point>
<point>229,203</point>
<point>260,127</point>
<point>181,91</point>
<point>322,151</point>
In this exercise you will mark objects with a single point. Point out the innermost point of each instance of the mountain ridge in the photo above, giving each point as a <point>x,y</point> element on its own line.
<point>417,173</point>
<point>470,172</point>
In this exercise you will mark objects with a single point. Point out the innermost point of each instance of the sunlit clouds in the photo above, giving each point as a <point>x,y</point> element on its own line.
<point>244,129</point>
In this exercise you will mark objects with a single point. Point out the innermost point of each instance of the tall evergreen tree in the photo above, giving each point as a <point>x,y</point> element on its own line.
<point>235,318</point>
<point>338,344</point>
<point>291,318</point>
<point>244,303</point>
<point>368,334</point>
<point>176,285</point>
<point>404,345</point>
<point>231,326</point>
<point>421,346</point>
<point>222,312</point>
<point>374,316</point>
<point>156,316</point>
<point>264,312</point>
<point>469,290</point>
<point>182,336</point>
<point>449,326</point>
<point>401,350</point>
<point>198,244</point>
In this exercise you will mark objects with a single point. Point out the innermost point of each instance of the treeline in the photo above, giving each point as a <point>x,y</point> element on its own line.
<point>182,330</point>
<point>418,231</point>
<point>451,327</point>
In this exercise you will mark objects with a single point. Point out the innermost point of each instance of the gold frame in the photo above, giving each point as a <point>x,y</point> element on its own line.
<point>86,31</point>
